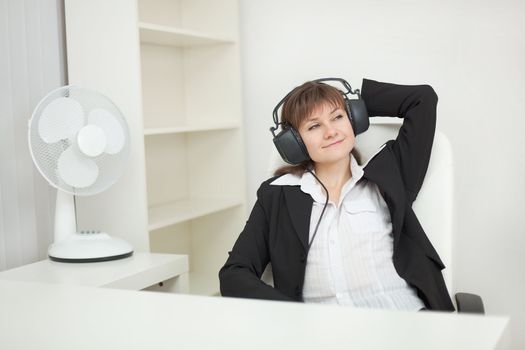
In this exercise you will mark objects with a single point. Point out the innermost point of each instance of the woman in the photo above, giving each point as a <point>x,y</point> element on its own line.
<point>369,249</point>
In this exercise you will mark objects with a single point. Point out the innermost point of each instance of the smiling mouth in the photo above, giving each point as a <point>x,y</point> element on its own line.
<point>333,144</point>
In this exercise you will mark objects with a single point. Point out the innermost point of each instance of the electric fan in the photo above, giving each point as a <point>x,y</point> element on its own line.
<point>79,142</point>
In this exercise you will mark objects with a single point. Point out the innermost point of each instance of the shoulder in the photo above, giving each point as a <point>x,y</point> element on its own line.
<point>275,184</point>
<point>384,150</point>
<point>267,184</point>
<point>266,192</point>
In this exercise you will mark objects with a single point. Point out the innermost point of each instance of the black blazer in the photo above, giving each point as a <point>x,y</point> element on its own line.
<point>278,227</point>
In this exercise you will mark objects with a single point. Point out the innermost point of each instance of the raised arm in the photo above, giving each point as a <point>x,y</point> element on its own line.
<point>416,104</point>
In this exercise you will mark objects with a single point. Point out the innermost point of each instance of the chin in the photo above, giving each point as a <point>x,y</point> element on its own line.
<point>333,158</point>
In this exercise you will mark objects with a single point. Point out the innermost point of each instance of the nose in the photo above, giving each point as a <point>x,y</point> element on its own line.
<point>330,131</point>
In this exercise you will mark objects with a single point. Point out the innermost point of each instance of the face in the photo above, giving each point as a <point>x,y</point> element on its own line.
<point>328,134</point>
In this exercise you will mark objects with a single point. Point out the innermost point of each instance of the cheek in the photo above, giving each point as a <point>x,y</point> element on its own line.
<point>309,142</point>
<point>351,140</point>
<point>312,145</point>
<point>348,128</point>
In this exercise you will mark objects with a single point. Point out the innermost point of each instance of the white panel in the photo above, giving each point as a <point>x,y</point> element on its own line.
<point>163,12</point>
<point>27,76</point>
<point>5,95</point>
<point>45,212</point>
<point>214,162</point>
<point>9,215</point>
<point>212,83</point>
<point>173,239</point>
<point>30,67</point>
<point>162,86</point>
<point>220,17</point>
<point>3,258</point>
<point>167,169</point>
<point>50,46</point>
<point>105,57</point>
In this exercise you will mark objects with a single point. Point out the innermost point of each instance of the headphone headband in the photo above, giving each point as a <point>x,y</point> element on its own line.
<point>347,86</point>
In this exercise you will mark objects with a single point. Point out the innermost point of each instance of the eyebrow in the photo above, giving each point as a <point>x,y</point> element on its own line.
<point>314,118</point>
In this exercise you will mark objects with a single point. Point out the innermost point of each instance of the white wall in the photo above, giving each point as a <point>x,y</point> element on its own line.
<point>471,52</point>
<point>32,63</point>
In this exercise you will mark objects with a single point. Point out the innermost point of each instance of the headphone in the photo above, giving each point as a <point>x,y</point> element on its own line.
<point>289,142</point>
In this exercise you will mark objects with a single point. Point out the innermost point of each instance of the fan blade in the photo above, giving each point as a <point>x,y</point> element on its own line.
<point>60,119</point>
<point>112,128</point>
<point>76,170</point>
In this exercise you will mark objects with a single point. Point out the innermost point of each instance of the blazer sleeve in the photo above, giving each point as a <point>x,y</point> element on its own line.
<point>241,275</point>
<point>416,104</point>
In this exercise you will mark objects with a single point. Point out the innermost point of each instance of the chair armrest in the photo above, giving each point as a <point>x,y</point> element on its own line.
<point>469,303</point>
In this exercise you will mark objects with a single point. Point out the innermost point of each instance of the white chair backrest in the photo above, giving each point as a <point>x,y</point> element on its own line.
<point>434,203</point>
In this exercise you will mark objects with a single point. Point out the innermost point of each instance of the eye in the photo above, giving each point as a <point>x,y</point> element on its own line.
<point>339,116</point>
<point>313,127</point>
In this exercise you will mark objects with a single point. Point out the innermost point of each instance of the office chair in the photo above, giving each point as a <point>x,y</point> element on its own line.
<point>436,196</point>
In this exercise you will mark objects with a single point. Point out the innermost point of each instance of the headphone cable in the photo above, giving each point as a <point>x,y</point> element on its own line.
<point>320,217</point>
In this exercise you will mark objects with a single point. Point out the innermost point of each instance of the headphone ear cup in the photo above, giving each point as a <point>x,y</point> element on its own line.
<point>291,146</point>
<point>358,114</point>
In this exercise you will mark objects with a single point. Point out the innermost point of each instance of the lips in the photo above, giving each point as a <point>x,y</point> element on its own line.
<point>333,144</point>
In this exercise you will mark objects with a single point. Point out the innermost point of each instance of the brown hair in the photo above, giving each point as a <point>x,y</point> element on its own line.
<point>300,104</point>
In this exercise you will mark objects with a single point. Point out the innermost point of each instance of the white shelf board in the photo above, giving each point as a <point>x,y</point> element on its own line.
<point>204,283</point>
<point>173,36</point>
<point>190,128</point>
<point>179,211</point>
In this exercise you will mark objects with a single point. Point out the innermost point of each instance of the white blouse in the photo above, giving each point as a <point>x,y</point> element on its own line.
<point>350,260</point>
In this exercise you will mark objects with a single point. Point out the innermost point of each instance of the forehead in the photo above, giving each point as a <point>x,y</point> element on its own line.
<point>323,109</point>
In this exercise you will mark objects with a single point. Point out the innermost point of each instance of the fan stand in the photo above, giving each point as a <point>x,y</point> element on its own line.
<point>84,246</point>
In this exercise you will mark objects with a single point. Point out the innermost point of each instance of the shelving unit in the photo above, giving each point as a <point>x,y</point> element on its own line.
<point>190,76</point>
<point>172,67</point>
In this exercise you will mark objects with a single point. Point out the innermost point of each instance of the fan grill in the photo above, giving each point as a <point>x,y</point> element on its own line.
<point>46,155</point>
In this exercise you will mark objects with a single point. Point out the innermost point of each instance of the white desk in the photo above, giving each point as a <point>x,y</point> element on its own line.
<point>140,271</point>
<point>55,316</point>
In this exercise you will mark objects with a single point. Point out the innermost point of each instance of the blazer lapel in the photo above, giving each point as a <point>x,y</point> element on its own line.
<point>299,206</point>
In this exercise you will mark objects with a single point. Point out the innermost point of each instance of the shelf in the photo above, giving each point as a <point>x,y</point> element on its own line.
<point>178,211</point>
<point>187,129</point>
<point>172,36</point>
<point>204,283</point>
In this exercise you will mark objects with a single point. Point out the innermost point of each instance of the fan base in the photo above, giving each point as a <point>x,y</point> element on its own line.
<point>90,260</point>
<point>86,247</point>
